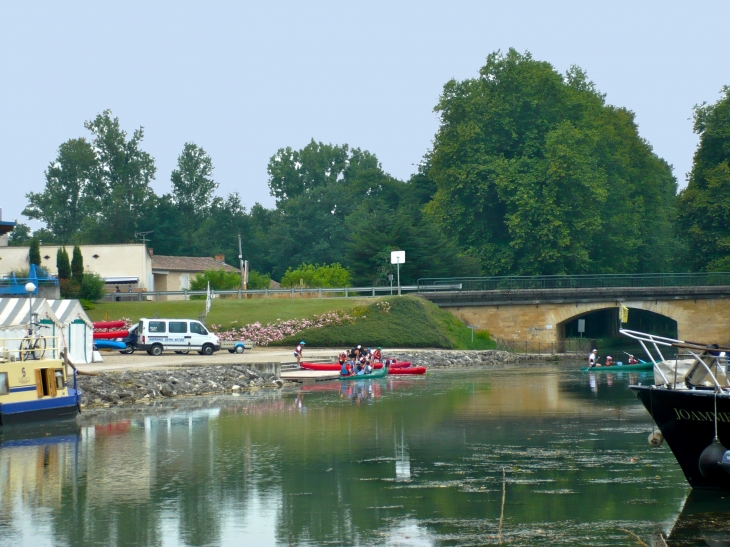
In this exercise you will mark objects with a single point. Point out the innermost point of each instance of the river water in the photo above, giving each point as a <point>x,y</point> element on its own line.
<point>525,455</point>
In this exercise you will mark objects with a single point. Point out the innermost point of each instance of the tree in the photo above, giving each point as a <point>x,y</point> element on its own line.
<point>536,174</point>
<point>77,266</point>
<point>20,236</point>
<point>34,252</point>
<point>92,287</point>
<point>192,190</point>
<point>220,280</point>
<point>120,190</point>
<point>704,205</point>
<point>63,264</point>
<point>65,201</point>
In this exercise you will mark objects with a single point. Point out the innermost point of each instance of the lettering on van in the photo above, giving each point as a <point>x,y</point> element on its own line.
<point>699,416</point>
<point>166,339</point>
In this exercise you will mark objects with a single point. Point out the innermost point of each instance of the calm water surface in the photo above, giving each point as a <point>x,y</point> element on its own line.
<point>420,461</point>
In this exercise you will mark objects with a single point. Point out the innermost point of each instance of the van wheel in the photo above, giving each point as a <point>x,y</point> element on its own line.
<point>156,350</point>
<point>239,349</point>
<point>130,349</point>
<point>207,349</point>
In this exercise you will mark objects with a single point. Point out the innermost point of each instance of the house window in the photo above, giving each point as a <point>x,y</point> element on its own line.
<point>184,282</point>
<point>4,387</point>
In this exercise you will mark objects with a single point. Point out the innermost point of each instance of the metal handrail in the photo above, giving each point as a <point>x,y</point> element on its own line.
<point>583,281</point>
<point>16,352</point>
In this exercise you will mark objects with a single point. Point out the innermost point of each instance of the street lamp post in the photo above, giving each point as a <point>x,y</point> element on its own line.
<point>30,289</point>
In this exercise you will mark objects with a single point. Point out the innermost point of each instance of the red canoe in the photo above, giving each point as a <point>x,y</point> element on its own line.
<point>408,370</point>
<point>109,324</point>
<point>336,366</point>
<point>111,334</point>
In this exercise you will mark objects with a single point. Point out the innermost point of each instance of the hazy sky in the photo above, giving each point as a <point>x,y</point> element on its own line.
<point>243,79</point>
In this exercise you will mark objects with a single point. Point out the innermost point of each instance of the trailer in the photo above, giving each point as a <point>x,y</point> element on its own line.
<point>236,346</point>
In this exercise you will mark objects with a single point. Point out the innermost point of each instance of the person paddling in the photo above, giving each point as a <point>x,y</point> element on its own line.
<point>593,359</point>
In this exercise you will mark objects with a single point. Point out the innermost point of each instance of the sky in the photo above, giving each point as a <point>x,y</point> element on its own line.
<point>243,79</point>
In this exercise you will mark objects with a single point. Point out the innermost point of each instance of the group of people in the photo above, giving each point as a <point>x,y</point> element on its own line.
<point>593,360</point>
<point>359,360</point>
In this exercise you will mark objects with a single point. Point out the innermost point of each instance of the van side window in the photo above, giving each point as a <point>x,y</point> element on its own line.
<point>178,327</point>
<point>197,328</point>
<point>157,326</point>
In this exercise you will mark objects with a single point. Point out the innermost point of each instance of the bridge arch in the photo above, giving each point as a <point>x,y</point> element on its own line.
<point>603,321</point>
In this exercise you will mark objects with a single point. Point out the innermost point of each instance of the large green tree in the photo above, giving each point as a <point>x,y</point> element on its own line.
<point>192,190</point>
<point>536,174</point>
<point>65,200</point>
<point>704,205</point>
<point>121,188</point>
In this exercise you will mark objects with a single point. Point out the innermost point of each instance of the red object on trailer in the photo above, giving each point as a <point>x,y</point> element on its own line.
<point>337,366</point>
<point>109,324</point>
<point>407,370</point>
<point>111,334</point>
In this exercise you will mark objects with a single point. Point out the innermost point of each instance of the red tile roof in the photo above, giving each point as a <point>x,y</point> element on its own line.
<point>189,264</point>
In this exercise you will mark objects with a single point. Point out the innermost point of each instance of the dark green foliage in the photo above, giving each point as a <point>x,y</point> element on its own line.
<point>536,174</point>
<point>70,193</point>
<point>92,287</point>
<point>77,266</point>
<point>63,264</point>
<point>405,321</point>
<point>34,252</point>
<point>69,288</point>
<point>258,280</point>
<point>20,236</point>
<point>704,205</point>
<point>220,280</point>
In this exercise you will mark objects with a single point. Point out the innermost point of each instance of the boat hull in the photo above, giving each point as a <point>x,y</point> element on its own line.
<point>40,410</point>
<point>337,366</point>
<point>686,419</point>
<point>382,373</point>
<point>620,368</point>
<point>408,370</point>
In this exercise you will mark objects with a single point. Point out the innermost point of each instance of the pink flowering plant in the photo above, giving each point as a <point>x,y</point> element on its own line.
<point>263,335</point>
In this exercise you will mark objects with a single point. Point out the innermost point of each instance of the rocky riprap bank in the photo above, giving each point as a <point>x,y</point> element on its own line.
<point>454,358</point>
<point>147,385</point>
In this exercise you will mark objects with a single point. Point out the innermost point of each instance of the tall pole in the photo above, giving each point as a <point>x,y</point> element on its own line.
<point>240,260</point>
<point>398,276</point>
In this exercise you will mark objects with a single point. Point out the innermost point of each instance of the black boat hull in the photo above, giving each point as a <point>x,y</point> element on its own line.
<point>686,419</point>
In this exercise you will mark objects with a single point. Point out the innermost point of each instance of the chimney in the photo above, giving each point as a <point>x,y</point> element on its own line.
<point>220,258</point>
<point>151,251</point>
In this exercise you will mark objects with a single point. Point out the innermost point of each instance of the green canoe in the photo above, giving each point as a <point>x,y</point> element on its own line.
<point>621,368</point>
<point>381,373</point>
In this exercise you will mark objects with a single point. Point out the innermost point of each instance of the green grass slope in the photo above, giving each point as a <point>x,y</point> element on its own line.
<point>224,311</point>
<point>405,321</point>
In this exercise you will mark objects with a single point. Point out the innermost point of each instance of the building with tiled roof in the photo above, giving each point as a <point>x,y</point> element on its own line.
<point>174,273</point>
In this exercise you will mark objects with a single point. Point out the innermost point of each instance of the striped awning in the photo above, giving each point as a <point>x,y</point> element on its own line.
<point>68,311</point>
<point>15,312</point>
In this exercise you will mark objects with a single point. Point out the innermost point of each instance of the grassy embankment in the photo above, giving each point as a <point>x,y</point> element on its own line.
<point>405,321</point>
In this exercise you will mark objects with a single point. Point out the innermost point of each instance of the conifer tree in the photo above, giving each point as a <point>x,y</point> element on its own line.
<point>77,266</point>
<point>62,263</point>
<point>34,253</point>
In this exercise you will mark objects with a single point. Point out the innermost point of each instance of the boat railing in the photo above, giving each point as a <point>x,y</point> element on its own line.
<point>29,348</point>
<point>700,353</point>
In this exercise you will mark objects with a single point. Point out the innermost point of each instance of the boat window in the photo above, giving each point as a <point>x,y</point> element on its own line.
<point>197,328</point>
<point>178,326</point>
<point>157,326</point>
<point>4,387</point>
<point>59,379</point>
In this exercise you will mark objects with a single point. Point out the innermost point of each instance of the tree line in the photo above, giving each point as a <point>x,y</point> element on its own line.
<point>531,172</point>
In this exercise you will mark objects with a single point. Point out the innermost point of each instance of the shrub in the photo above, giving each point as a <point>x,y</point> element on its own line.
<point>220,280</point>
<point>92,287</point>
<point>63,264</point>
<point>258,280</point>
<point>316,276</point>
<point>69,288</point>
<point>87,305</point>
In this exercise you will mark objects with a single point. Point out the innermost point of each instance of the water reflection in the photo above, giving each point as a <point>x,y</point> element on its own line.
<point>397,461</point>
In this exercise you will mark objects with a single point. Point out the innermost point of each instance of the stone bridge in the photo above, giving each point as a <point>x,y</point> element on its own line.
<point>702,313</point>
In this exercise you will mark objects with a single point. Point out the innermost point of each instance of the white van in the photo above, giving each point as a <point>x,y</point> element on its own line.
<point>178,335</point>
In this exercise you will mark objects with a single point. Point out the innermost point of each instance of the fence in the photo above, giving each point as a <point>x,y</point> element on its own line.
<point>507,283</point>
<point>340,292</point>
<point>576,346</point>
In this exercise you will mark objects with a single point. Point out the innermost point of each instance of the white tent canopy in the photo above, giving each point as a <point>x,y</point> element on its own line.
<point>64,319</point>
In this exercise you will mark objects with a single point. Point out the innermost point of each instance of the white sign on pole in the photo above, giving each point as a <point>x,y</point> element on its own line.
<point>397,257</point>
<point>581,325</point>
